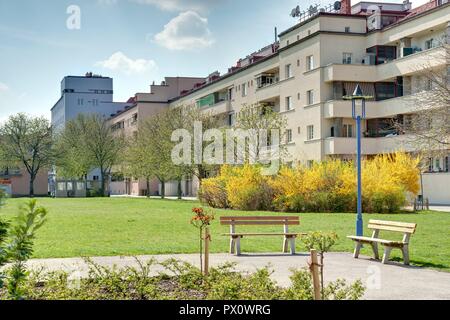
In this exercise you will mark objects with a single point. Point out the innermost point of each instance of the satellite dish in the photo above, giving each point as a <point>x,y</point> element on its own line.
<point>293,13</point>
<point>337,6</point>
<point>312,10</point>
<point>297,11</point>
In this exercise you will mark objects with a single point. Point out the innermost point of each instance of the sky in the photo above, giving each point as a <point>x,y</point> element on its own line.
<point>135,42</point>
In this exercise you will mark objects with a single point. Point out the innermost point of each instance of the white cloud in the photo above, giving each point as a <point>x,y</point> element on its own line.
<point>186,31</point>
<point>180,5</point>
<point>3,87</point>
<point>120,62</point>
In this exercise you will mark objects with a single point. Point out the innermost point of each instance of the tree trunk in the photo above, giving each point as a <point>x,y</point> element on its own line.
<point>180,191</point>
<point>163,189</point>
<point>102,183</point>
<point>421,188</point>
<point>32,177</point>
<point>148,187</point>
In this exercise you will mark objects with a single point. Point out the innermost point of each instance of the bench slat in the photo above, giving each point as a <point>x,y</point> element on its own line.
<point>391,228</point>
<point>393,223</point>
<point>265,222</point>
<point>383,241</point>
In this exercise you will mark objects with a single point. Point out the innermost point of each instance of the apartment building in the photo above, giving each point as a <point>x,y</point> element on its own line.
<point>89,94</point>
<point>128,120</point>
<point>383,47</point>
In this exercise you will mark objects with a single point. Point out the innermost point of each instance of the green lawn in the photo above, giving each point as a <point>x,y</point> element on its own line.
<point>121,226</point>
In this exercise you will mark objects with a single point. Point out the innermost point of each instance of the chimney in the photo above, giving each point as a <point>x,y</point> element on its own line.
<point>346,7</point>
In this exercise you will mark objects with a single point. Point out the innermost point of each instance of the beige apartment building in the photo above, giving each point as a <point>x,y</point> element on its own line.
<point>384,47</point>
<point>128,121</point>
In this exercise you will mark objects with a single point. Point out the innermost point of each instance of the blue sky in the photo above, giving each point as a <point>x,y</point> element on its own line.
<point>134,41</point>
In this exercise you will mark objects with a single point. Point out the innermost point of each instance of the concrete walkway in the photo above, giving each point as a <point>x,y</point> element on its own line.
<point>391,281</point>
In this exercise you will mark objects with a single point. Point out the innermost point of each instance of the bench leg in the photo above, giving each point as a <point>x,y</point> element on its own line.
<point>232,245</point>
<point>375,250</point>
<point>386,254</point>
<point>405,251</point>
<point>238,246</point>
<point>357,249</point>
<point>292,241</point>
<point>285,245</point>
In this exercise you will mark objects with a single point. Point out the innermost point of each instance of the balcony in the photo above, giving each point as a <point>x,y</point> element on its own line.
<point>223,106</point>
<point>410,64</point>
<point>374,109</point>
<point>369,146</point>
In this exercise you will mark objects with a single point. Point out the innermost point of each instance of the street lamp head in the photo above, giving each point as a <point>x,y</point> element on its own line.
<point>357,94</point>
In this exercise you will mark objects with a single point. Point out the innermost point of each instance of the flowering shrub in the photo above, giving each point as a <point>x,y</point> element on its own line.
<point>201,220</point>
<point>328,186</point>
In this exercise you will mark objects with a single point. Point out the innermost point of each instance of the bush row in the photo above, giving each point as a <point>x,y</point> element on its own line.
<point>179,280</point>
<point>330,186</point>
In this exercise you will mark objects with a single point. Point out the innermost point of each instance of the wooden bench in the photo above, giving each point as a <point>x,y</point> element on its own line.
<point>377,225</point>
<point>285,221</point>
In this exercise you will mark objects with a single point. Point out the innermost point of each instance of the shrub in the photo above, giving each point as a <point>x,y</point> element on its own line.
<point>247,188</point>
<point>177,281</point>
<point>328,186</point>
<point>213,192</point>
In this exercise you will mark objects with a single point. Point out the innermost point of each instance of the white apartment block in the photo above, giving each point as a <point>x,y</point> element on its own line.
<point>89,94</point>
<point>381,46</point>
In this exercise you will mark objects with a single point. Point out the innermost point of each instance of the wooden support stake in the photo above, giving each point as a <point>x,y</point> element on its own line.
<point>207,240</point>
<point>315,274</point>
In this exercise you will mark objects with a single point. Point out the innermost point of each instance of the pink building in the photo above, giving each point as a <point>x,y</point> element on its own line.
<point>16,182</point>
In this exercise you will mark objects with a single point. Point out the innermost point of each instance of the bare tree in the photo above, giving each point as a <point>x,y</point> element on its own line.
<point>428,125</point>
<point>26,141</point>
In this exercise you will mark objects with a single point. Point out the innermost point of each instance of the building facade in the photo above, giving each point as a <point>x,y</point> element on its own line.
<point>16,182</point>
<point>128,120</point>
<point>89,94</point>
<point>384,47</point>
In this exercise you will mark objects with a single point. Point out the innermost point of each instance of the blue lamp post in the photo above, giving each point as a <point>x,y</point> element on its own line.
<point>358,113</point>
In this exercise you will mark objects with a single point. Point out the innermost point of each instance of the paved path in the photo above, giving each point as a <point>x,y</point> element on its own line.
<point>391,281</point>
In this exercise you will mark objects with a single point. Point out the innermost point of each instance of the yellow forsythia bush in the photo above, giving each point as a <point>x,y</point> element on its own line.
<point>329,186</point>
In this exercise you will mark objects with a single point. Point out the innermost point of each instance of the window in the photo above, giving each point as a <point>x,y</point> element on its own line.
<point>80,101</point>
<point>298,96</point>
<point>298,62</point>
<point>446,164</point>
<point>231,119</point>
<point>348,131</point>
<point>310,97</point>
<point>288,135</point>
<point>309,63</point>
<point>287,42</point>
<point>347,58</point>
<point>288,103</point>
<point>244,89</point>
<point>299,130</point>
<point>95,178</point>
<point>437,165</point>
<point>288,71</point>
<point>347,29</point>
<point>310,132</point>
<point>429,44</point>
<point>298,37</point>
<point>429,85</point>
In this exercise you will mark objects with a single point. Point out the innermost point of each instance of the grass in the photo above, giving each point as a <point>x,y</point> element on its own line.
<point>123,226</point>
